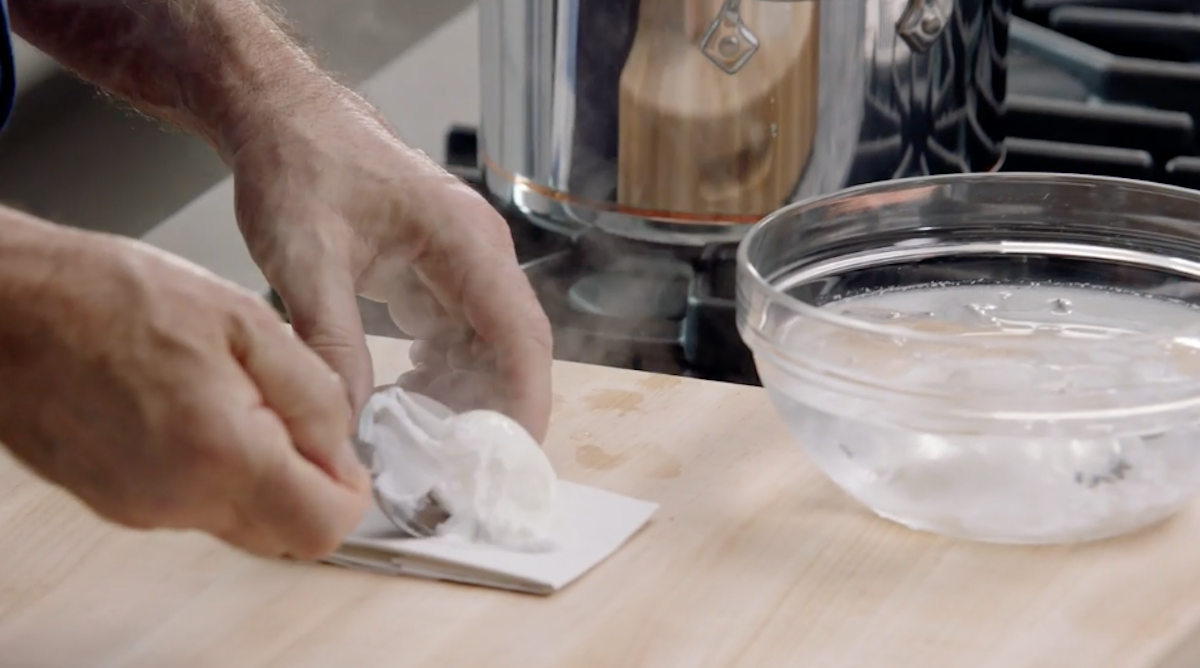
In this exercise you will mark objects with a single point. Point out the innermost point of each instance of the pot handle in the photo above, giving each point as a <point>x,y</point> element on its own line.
<point>922,23</point>
<point>729,43</point>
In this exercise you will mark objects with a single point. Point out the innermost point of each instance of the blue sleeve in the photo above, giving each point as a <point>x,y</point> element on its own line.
<point>8,70</point>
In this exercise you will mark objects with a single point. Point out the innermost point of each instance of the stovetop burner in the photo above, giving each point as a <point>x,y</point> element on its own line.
<point>1103,87</point>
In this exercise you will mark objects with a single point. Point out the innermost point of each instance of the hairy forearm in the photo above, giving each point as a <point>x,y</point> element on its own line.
<point>215,67</point>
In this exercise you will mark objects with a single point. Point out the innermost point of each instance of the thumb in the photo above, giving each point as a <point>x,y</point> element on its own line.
<point>323,308</point>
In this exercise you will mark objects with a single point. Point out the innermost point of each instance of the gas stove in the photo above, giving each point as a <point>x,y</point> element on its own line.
<point>1104,87</point>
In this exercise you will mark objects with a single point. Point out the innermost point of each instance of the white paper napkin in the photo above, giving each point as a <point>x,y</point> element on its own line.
<point>592,525</point>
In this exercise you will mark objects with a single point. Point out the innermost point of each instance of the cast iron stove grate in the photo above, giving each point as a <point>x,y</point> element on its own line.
<point>1105,87</point>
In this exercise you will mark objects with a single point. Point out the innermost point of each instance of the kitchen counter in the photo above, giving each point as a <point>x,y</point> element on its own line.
<point>431,87</point>
<point>753,560</point>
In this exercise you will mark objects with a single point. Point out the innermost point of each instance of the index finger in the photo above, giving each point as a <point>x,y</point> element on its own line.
<point>303,391</point>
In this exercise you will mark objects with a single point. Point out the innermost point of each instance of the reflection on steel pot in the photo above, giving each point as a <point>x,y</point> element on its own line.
<point>683,121</point>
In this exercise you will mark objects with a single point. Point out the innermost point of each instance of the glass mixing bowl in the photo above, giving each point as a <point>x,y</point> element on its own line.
<point>1002,357</point>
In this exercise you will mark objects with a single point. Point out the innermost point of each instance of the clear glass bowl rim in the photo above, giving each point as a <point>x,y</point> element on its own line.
<point>746,268</point>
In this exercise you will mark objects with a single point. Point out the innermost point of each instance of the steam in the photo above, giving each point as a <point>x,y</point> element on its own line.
<point>623,310</point>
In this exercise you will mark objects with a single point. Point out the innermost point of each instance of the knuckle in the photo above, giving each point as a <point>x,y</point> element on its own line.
<point>251,313</point>
<point>325,395</point>
<point>327,337</point>
<point>248,318</point>
<point>202,443</point>
<point>269,474</point>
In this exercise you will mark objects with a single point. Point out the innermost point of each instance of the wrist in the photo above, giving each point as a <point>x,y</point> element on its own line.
<point>268,85</point>
<point>260,77</point>
<point>270,105</point>
<point>304,112</point>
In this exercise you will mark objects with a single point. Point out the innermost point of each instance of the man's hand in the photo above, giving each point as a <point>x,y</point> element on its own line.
<point>331,202</point>
<point>164,397</point>
<point>333,205</point>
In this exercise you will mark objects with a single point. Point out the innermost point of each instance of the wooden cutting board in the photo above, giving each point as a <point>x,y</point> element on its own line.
<point>753,560</point>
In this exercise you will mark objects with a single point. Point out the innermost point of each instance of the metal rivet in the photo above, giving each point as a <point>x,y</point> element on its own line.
<point>728,46</point>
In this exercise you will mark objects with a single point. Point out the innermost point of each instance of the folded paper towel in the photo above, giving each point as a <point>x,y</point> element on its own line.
<point>591,525</point>
<point>512,524</point>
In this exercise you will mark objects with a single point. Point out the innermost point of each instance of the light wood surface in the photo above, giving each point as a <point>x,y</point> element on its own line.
<point>694,139</point>
<point>753,560</point>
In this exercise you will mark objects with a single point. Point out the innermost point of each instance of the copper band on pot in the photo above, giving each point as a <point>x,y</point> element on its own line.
<point>681,217</point>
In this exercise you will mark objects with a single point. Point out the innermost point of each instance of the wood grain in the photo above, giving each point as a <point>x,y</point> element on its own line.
<point>697,140</point>
<point>754,560</point>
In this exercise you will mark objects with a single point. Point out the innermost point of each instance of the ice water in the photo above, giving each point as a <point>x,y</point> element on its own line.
<point>1026,483</point>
